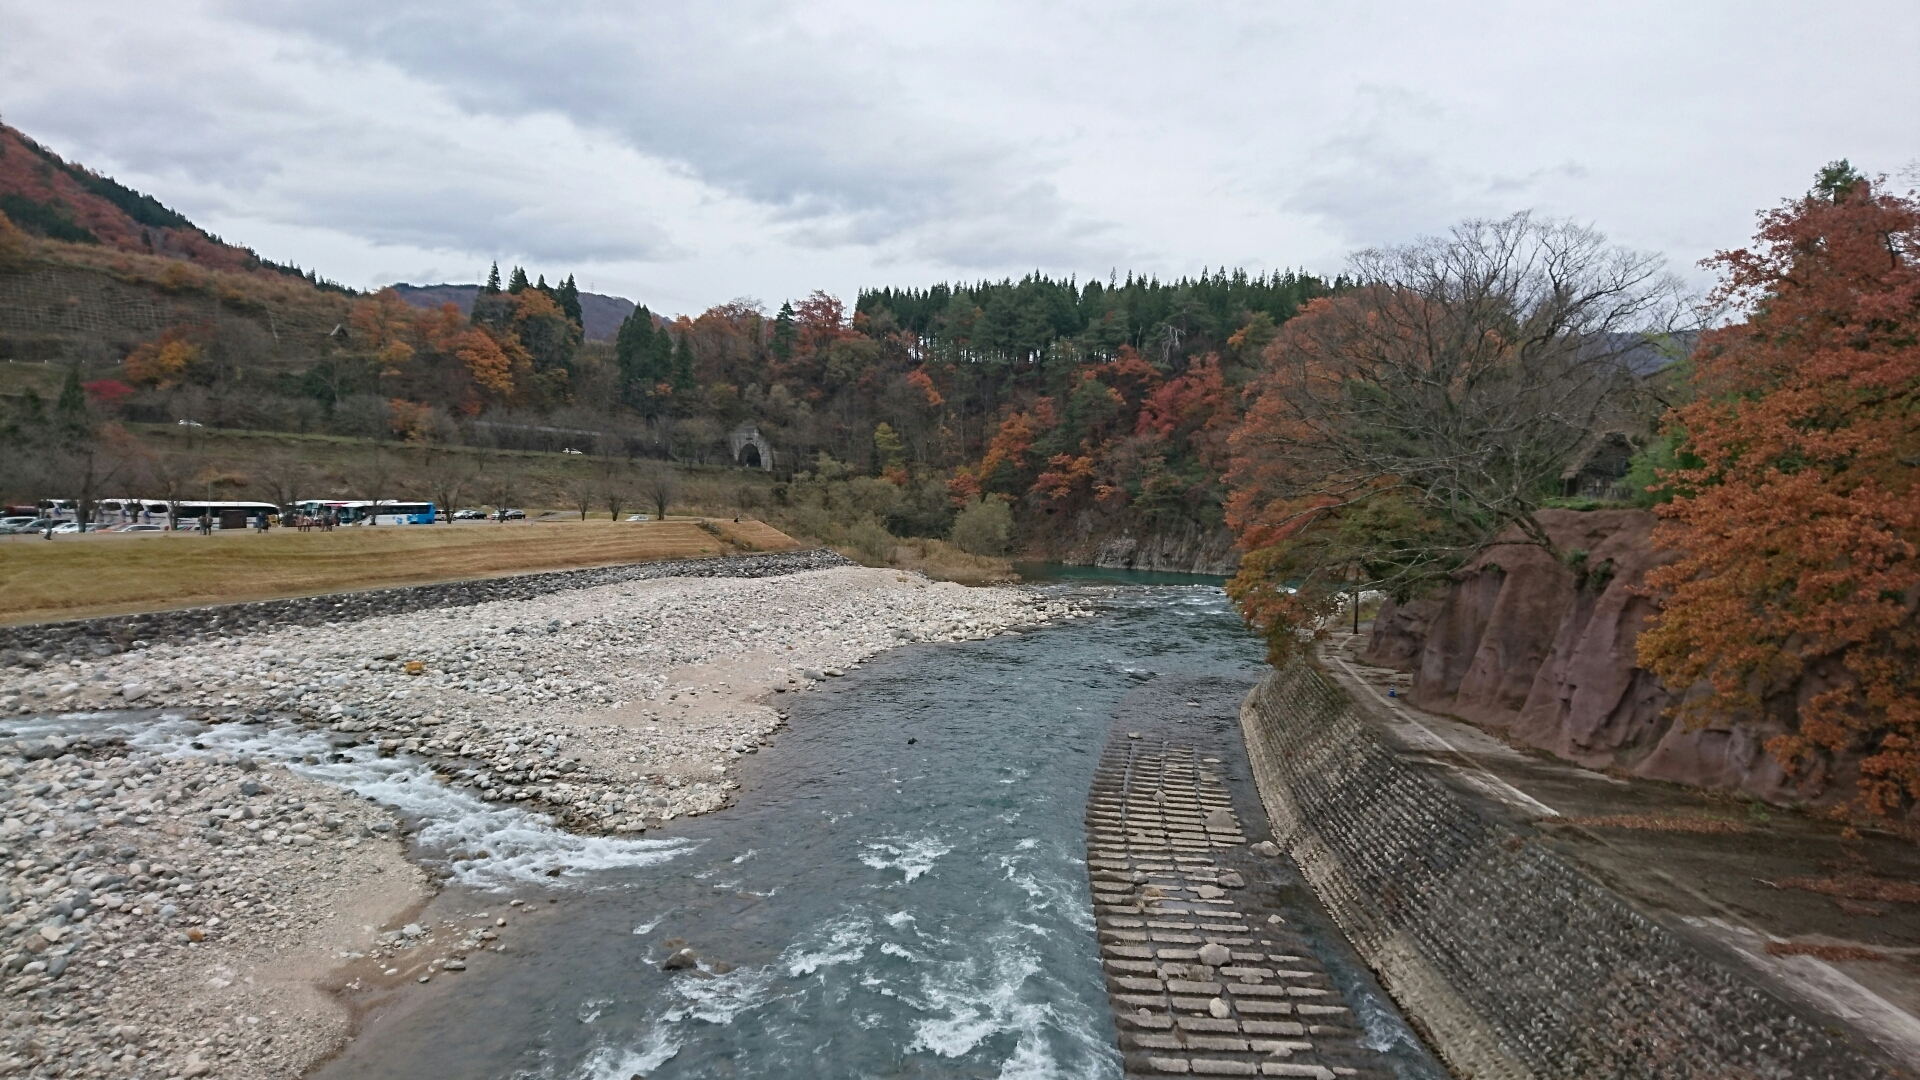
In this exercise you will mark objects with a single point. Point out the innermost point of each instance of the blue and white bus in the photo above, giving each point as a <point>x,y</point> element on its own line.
<point>366,512</point>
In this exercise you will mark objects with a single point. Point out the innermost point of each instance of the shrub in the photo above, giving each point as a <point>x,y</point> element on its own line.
<point>13,244</point>
<point>871,539</point>
<point>983,527</point>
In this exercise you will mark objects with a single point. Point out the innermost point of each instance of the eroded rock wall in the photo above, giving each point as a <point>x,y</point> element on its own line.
<point>1181,547</point>
<point>1522,643</point>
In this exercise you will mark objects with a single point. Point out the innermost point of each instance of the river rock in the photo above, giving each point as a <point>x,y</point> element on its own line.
<point>1267,848</point>
<point>681,961</point>
<point>1213,954</point>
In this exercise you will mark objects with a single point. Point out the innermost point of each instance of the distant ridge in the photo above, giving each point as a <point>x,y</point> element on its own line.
<point>601,314</point>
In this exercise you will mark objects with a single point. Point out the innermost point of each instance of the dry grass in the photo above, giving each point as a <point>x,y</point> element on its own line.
<point>750,535</point>
<point>1657,823</point>
<point>76,577</point>
<point>1856,887</point>
<point>943,562</point>
<point>1823,952</point>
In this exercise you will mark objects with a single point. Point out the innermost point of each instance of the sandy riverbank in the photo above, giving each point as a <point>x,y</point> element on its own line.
<point>603,711</point>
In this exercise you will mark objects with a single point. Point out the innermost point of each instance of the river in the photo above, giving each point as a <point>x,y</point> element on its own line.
<point>900,891</point>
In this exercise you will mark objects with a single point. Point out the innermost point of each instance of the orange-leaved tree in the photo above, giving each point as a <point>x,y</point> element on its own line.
<point>1797,588</point>
<point>1403,425</point>
<point>164,363</point>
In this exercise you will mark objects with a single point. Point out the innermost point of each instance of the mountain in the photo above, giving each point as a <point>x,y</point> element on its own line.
<point>602,314</point>
<point>48,196</point>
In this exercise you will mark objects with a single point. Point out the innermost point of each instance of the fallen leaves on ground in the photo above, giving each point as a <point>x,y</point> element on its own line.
<point>1659,823</point>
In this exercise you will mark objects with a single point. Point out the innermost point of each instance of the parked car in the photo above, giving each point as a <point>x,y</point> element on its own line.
<point>511,515</point>
<point>571,450</point>
<point>639,517</point>
<point>16,524</point>
<point>66,527</point>
<point>189,423</point>
<point>37,524</point>
<point>469,515</point>
<point>136,527</point>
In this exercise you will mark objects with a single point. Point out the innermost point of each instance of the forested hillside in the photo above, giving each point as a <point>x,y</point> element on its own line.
<point>45,195</point>
<point>600,316</point>
<point>1063,413</point>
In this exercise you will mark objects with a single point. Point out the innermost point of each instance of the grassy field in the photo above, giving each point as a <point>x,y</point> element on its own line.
<point>77,577</point>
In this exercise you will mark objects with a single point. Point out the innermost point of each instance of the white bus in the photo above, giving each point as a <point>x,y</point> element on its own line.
<point>236,514</point>
<point>115,511</point>
<point>366,512</point>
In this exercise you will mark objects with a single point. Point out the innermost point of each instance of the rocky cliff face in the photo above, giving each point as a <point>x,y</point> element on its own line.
<point>1522,643</point>
<point>1180,548</point>
<point>1184,549</point>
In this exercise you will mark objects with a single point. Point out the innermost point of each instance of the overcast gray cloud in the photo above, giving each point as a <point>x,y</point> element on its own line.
<point>686,153</point>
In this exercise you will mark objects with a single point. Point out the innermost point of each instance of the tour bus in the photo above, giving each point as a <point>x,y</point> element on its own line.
<point>142,510</point>
<point>366,512</point>
<point>235,514</point>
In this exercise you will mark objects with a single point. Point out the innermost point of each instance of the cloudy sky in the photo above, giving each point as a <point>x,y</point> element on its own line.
<point>684,154</point>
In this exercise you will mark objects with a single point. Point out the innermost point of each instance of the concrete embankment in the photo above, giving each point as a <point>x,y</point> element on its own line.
<point>1513,961</point>
<point>107,635</point>
<point>1218,961</point>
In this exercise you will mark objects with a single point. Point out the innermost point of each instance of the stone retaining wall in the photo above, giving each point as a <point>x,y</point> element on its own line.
<point>108,635</point>
<point>1512,962</point>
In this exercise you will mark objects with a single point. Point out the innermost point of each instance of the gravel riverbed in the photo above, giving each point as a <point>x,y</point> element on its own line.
<point>172,908</point>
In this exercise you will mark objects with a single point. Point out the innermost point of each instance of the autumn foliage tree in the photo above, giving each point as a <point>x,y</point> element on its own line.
<point>437,354</point>
<point>1798,584</point>
<point>163,363</point>
<point>1403,425</point>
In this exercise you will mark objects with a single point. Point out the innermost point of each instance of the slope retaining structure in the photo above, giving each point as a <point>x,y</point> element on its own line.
<point>1513,963</point>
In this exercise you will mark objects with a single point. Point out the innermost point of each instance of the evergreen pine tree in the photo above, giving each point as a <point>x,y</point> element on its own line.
<point>72,406</point>
<point>660,358</point>
<point>783,333</point>
<point>542,285</point>
<point>682,363</point>
<point>518,283</point>
<point>569,298</point>
<point>493,280</point>
<point>633,354</point>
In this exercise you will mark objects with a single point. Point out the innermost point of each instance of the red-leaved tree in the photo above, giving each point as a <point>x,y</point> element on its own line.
<point>1796,593</point>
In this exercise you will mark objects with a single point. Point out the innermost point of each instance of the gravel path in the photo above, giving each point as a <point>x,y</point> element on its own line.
<point>168,911</point>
